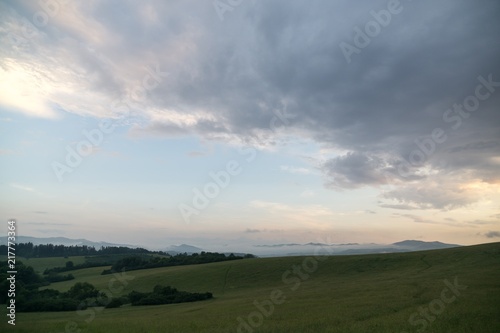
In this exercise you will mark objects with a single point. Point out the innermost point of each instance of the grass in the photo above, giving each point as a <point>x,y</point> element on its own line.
<point>40,264</point>
<point>367,293</point>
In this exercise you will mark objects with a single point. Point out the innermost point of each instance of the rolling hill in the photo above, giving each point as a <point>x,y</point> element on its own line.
<point>449,290</point>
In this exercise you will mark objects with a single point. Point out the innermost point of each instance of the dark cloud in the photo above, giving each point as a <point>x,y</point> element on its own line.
<point>354,170</point>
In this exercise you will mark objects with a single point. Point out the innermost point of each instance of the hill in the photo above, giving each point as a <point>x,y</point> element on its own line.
<point>263,250</point>
<point>449,290</point>
<point>294,249</point>
<point>415,245</point>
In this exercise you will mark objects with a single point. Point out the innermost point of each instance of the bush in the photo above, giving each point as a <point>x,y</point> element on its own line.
<point>166,295</point>
<point>116,302</point>
<point>81,291</point>
<point>53,277</point>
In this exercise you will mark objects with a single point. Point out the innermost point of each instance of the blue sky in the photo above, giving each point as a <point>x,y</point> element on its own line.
<point>395,137</point>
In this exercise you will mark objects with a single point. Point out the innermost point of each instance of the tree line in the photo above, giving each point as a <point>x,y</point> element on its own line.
<point>137,262</point>
<point>29,250</point>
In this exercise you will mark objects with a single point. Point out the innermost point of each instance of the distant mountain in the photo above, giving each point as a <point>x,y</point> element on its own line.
<point>307,244</point>
<point>61,241</point>
<point>279,245</point>
<point>268,250</point>
<point>183,248</point>
<point>273,250</point>
<point>174,249</point>
<point>415,245</point>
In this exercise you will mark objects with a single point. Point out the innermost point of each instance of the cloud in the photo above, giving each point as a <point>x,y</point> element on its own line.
<point>354,170</point>
<point>416,219</point>
<point>307,194</point>
<point>252,231</point>
<point>22,187</point>
<point>6,152</point>
<point>312,214</point>
<point>257,231</point>
<point>430,195</point>
<point>493,234</point>
<point>419,219</point>
<point>296,170</point>
<point>237,82</point>
<point>479,222</point>
<point>398,206</point>
<point>46,223</point>
<point>196,154</point>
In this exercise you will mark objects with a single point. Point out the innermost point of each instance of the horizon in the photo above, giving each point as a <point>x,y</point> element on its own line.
<point>254,123</point>
<point>244,248</point>
<point>261,250</point>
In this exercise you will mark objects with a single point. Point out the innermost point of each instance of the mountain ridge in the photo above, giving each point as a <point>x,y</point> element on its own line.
<point>284,249</point>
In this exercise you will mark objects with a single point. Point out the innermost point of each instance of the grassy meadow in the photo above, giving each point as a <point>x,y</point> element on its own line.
<point>400,292</point>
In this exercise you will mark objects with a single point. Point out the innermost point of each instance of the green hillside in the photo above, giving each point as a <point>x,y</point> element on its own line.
<point>402,292</point>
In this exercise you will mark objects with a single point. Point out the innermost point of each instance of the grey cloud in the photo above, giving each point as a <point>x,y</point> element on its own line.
<point>228,79</point>
<point>479,222</point>
<point>398,206</point>
<point>493,234</point>
<point>415,218</point>
<point>355,169</point>
<point>418,219</point>
<point>432,195</point>
<point>490,145</point>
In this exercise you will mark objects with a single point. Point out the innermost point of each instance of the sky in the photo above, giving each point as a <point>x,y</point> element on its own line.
<point>230,122</point>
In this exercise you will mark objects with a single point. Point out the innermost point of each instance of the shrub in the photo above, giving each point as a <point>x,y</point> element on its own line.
<point>116,302</point>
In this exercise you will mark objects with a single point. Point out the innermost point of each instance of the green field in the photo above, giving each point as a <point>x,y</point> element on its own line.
<point>366,293</point>
<point>40,264</point>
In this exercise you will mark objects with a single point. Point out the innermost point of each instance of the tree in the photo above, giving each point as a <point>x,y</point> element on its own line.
<point>82,290</point>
